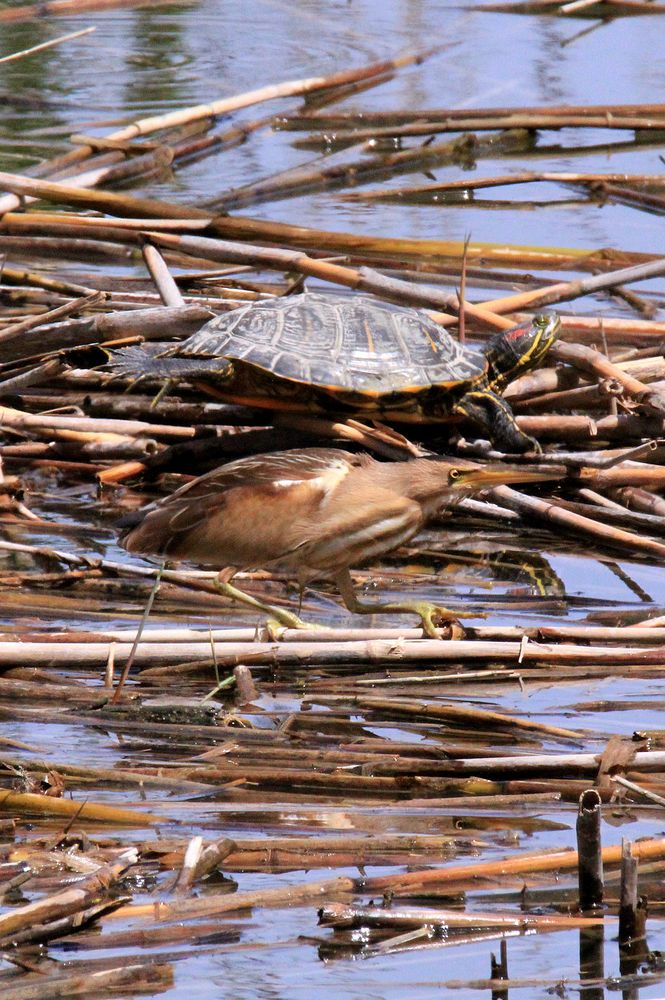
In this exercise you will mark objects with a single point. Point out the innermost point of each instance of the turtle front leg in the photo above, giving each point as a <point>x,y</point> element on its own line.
<point>490,412</point>
<point>432,616</point>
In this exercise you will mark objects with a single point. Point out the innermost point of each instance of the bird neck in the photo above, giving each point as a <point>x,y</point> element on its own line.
<point>423,480</point>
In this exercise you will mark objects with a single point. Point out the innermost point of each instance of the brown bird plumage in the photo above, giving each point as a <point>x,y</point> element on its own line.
<point>312,512</point>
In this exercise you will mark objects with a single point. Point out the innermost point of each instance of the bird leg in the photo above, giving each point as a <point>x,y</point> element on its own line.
<point>277,616</point>
<point>431,615</point>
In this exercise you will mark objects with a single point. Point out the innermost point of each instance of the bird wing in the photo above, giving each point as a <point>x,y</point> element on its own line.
<point>241,512</point>
<point>295,466</point>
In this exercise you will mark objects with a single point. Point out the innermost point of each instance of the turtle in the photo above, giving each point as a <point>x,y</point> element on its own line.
<point>322,352</point>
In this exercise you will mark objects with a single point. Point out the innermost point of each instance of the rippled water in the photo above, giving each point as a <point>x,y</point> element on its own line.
<point>145,61</point>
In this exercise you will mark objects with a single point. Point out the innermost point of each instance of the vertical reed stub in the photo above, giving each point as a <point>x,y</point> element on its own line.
<point>500,971</point>
<point>633,948</point>
<point>589,849</point>
<point>628,902</point>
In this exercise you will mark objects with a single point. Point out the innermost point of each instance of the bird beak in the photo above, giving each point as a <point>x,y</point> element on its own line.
<point>484,477</point>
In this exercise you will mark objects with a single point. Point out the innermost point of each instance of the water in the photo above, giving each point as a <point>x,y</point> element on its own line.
<point>143,62</point>
<point>146,61</point>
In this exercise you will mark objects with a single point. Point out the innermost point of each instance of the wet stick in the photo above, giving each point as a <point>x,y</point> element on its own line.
<point>178,118</point>
<point>550,511</point>
<point>606,8</point>
<point>94,425</point>
<point>346,167</point>
<point>104,328</point>
<point>66,309</point>
<point>452,713</point>
<point>347,119</point>
<point>604,190</point>
<point>530,389</point>
<point>131,976</point>
<point>162,656</point>
<point>499,970</point>
<point>408,883</point>
<point>639,500</point>
<point>582,428</point>
<point>617,516</point>
<point>614,328</point>
<point>65,8</point>
<point>501,180</point>
<point>628,903</point>
<point>244,228</point>
<point>586,397</point>
<point>590,861</point>
<point>633,910</point>
<point>404,883</point>
<point>168,290</point>
<point>567,290</point>
<point>348,915</point>
<point>585,634</point>
<point>361,279</point>
<point>592,361</point>
<point>61,926</point>
<point>29,804</point>
<point>46,45</point>
<point>478,123</point>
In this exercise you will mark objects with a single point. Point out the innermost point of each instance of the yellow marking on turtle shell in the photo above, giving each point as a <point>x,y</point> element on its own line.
<point>370,340</point>
<point>456,383</point>
<point>433,344</point>
<point>343,390</point>
<point>337,390</point>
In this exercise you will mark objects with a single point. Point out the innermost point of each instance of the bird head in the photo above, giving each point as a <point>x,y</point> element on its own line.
<point>438,483</point>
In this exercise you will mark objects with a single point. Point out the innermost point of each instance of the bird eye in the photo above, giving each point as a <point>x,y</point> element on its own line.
<point>453,475</point>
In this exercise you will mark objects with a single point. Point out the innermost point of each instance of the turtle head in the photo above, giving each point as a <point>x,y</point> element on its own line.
<point>520,349</point>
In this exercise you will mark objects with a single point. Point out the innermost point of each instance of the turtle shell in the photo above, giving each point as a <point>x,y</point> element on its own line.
<point>356,345</point>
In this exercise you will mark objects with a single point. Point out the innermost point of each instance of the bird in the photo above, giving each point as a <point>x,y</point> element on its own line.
<point>312,513</point>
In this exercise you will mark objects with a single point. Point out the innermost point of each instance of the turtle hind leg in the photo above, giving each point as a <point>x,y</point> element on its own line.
<point>490,412</point>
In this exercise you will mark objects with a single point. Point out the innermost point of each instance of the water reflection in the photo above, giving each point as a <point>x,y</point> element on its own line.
<point>30,88</point>
<point>142,61</point>
<point>157,62</point>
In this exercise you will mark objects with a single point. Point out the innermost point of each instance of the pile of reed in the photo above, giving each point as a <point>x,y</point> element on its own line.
<point>399,739</point>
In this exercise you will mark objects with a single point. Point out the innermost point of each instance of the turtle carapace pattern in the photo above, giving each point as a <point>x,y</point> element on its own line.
<point>332,353</point>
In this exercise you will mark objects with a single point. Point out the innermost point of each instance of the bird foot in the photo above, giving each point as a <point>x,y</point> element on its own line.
<point>281,620</point>
<point>434,618</point>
